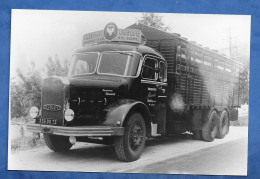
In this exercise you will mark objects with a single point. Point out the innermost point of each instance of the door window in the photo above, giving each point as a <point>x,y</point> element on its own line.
<point>149,69</point>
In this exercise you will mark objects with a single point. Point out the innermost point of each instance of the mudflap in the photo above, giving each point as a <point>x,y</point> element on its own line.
<point>195,120</point>
<point>233,114</point>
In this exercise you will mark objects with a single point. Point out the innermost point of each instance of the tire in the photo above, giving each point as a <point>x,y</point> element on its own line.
<point>223,125</point>
<point>209,127</point>
<point>130,146</point>
<point>57,143</point>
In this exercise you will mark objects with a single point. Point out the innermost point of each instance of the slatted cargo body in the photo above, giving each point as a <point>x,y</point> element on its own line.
<point>199,78</point>
<point>203,77</point>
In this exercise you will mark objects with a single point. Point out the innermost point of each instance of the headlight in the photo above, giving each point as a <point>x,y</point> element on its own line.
<point>34,111</point>
<point>69,115</point>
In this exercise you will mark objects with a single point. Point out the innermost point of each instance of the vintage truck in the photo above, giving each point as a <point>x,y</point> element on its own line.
<point>127,85</point>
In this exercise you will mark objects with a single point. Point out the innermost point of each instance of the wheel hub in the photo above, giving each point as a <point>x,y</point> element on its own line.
<point>136,137</point>
<point>213,128</point>
<point>224,125</point>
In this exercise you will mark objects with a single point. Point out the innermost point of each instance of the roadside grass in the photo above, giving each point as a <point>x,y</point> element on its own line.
<point>25,143</point>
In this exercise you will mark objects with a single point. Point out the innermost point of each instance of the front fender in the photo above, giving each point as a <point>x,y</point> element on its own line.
<point>118,112</point>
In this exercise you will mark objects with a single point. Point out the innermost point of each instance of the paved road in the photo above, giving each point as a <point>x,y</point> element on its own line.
<point>223,159</point>
<point>168,155</point>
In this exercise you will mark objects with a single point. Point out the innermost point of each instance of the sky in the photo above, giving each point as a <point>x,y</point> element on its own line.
<point>39,34</point>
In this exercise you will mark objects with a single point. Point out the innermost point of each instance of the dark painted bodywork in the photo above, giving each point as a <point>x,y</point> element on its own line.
<point>106,100</point>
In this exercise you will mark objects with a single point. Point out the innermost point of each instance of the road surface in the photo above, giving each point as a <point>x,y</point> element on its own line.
<point>172,155</point>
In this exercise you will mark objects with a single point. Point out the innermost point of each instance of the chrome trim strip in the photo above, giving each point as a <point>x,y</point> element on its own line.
<point>84,135</point>
<point>77,131</point>
<point>162,96</point>
<point>80,132</point>
<point>74,128</point>
<point>154,82</point>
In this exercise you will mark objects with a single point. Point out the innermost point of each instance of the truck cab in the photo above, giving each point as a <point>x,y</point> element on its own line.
<point>115,91</point>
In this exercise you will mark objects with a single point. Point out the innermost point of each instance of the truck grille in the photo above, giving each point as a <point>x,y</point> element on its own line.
<point>52,101</point>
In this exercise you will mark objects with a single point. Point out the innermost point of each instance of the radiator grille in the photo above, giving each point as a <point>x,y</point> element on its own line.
<point>53,94</point>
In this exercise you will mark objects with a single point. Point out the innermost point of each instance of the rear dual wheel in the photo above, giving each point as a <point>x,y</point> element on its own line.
<point>215,126</point>
<point>223,125</point>
<point>210,126</point>
<point>130,146</point>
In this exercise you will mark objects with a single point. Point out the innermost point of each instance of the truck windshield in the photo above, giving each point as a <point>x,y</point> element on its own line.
<point>84,63</point>
<point>119,63</point>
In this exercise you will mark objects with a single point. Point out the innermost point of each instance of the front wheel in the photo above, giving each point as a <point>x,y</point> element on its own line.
<point>57,143</point>
<point>130,146</point>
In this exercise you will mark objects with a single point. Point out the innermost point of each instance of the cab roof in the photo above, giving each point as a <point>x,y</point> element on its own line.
<point>115,46</point>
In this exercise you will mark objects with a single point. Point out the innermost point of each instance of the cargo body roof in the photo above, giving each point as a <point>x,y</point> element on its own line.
<point>154,34</point>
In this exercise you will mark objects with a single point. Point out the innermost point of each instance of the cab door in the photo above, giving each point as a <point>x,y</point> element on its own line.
<point>153,93</point>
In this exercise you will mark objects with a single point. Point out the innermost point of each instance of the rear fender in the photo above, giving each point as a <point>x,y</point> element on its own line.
<point>230,112</point>
<point>116,113</point>
<point>219,110</point>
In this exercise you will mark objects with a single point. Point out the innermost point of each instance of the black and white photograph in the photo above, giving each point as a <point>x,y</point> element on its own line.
<point>126,92</point>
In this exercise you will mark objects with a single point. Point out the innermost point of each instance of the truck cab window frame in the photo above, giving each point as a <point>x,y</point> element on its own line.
<point>75,60</point>
<point>129,63</point>
<point>147,69</point>
<point>178,50</point>
<point>162,71</point>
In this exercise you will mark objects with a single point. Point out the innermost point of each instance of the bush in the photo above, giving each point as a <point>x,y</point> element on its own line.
<point>25,143</point>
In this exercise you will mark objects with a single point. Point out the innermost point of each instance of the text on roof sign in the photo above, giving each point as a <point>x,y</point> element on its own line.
<point>112,33</point>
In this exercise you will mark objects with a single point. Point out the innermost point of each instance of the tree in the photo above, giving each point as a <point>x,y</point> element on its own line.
<point>17,100</point>
<point>54,67</point>
<point>241,54</point>
<point>244,84</point>
<point>153,20</point>
<point>25,92</point>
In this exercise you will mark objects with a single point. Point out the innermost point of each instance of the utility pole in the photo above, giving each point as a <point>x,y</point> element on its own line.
<point>230,44</point>
<point>229,50</point>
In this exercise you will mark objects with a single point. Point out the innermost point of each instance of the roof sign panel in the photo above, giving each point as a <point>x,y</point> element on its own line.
<point>112,33</point>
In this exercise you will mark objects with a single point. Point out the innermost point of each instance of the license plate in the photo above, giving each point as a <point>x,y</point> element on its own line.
<point>48,121</point>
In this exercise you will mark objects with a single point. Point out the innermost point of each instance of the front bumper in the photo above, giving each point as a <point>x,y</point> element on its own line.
<point>88,131</point>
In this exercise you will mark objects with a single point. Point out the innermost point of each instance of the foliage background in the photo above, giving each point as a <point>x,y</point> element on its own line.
<point>25,91</point>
